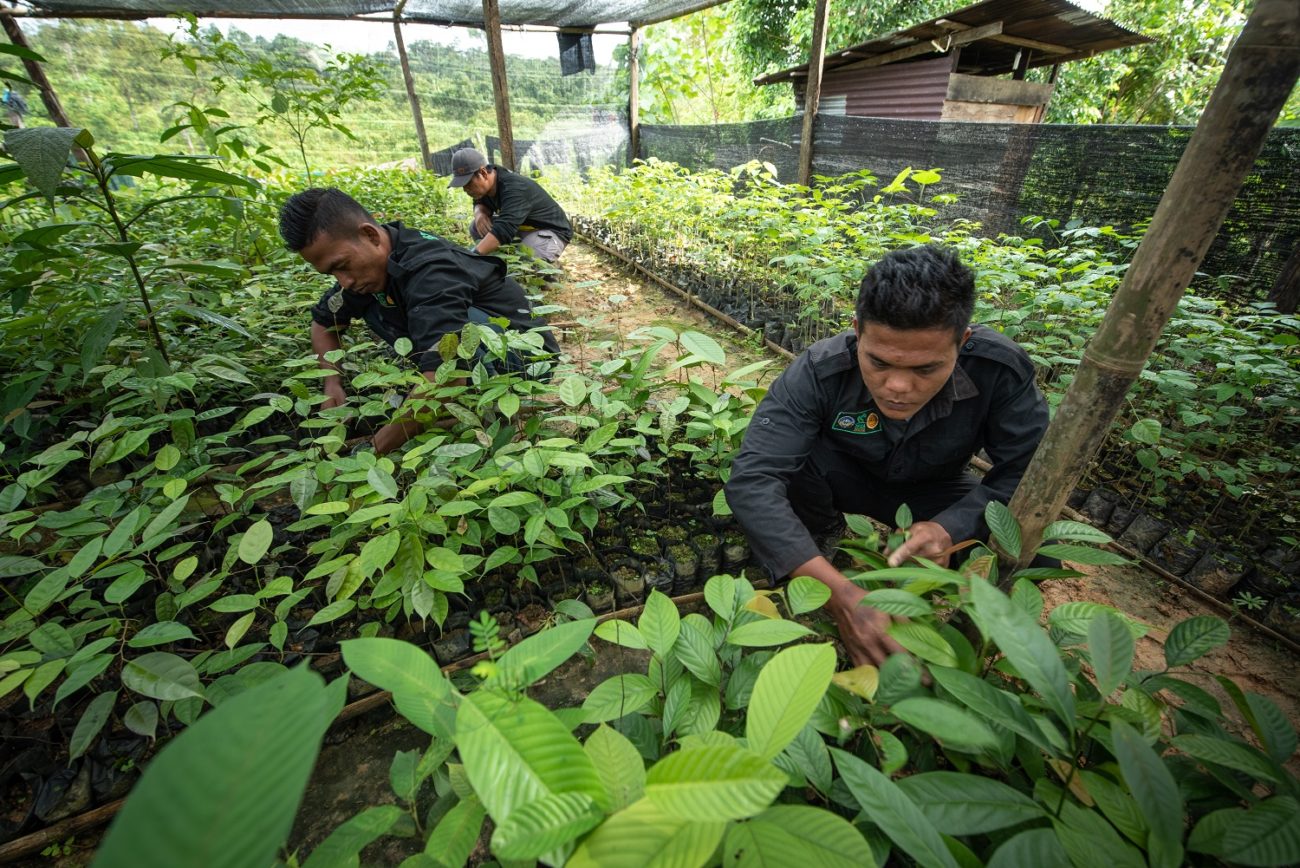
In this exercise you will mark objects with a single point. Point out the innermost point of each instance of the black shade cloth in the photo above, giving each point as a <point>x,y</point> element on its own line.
<point>576,54</point>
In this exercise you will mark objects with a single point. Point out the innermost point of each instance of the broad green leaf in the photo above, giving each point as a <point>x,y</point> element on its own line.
<point>226,790</point>
<point>694,648</point>
<point>255,542</point>
<point>453,839</point>
<point>1267,834</point>
<point>1034,655</point>
<point>1004,527</point>
<point>1039,848</point>
<point>516,751</point>
<point>619,765</point>
<point>176,166</point>
<point>1110,646</point>
<point>96,341</point>
<point>345,843</point>
<point>896,601</point>
<point>713,783</point>
<point>164,676</point>
<point>42,152</point>
<point>1082,555</point>
<point>614,697</point>
<point>534,657</point>
<point>1117,805</point>
<point>1275,732</point>
<point>1230,754</point>
<point>968,804</point>
<point>235,632</point>
<point>659,623</point>
<point>1146,431</point>
<point>642,836</point>
<point>420,691</point>
<point>861,680</point>
<point>720,594</point>
<point>796,835</point>
<point>91,722</point>
<point>160,633</point>
<point>332,612</point>
<point>923,641</point>
<point>620,632</point>
<point>1194,638</point>
<point>806,594</point>
<point>1076,616</point>
<point>540,826</point>
<point>573,391</point>
<point>1089,840</point>
<point>891,810</point>
<point>760,634</point>
<point>142,718</point>
<point>950,724</point>
<point>703,346</point>
<point>382,482</point>
<point>787,691</point>
<point>1156,793</point>
<point>1075,531</point>
<point>512,498</point>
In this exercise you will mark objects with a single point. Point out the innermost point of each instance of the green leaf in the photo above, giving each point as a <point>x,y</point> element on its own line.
<point>1026,645</point>
<point>255,541</point>
<point>694,648</point>
<point>713,783</point>
<point>215,318</point>
<point>620,632</point>
<point>332,612</point>
<point>949,723</point>
<point>1110,646</point>
<point>1082,555</point>
<point>967,804</point>
<point>42,152</point>
<point>160,633</point>
<point>1230,754</point>
<point>1273,729</point>
<point>541,826</point>
<point>1146,431</point>
<point>659,623</point>
<point>1156,793</point>
<point>573,391</point>
<point>91,722</point>
<point>186,168</point>
<point>617,696</point>
<point>516,751</point>
<point>796,835</point>
<point>805,594</point>
<point>619,765</point>
<point>1004,527</point>
<point>1075,531</point>
<point>720,594</point>
<point>420,691</point>
<point>99,335</point>
<point>535,657</point>
<point>642,836</point>
<point>235,632</point>
<point>1267,834</point>
<point>896,601</point>
<point>164,676</point>
<point>891,810</point>
<point>345,843</point>
<point>924,641</point>
<point>1194,638</point>
<point>704,347</point>
<point>785,695</point>
<point>453,840</point>
<point>1037,847</point>
<point>142,718</point>
<point>382,482</point>
<point>759,634</point>
<point>225,791</point>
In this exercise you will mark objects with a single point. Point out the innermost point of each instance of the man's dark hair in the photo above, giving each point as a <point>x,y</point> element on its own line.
<point>922,288</point>
<point>319,210</point>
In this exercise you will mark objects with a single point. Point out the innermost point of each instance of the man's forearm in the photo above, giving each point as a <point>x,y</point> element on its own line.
<point>405,426</point>
<point>489,244</point>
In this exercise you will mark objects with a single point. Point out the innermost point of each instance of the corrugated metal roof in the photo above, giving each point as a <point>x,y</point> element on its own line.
<point>1053,31</point>
<point>911,91</point>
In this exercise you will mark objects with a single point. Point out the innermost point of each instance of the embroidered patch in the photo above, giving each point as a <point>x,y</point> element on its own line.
<point>335,302</point>
<point>865,422</point>
<point>428,235</point>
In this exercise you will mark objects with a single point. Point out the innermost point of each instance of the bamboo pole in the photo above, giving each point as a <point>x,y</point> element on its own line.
<point>633,95</point>
<point>1262,69</point>
<point>812,96</point>
<point>417,114</point>
<point>500,89</point>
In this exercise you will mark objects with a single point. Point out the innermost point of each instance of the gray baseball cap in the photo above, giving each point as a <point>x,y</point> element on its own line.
<point>464,163</point>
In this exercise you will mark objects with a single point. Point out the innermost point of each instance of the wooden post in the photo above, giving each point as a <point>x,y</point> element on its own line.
<point>1257,79</point>
<point>816,54</point>
<point>500,90</point>
<point>416,114</point>
<point>633,95</point>
<point>36,74</point>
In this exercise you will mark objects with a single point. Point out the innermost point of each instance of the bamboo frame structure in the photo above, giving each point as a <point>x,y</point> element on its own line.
<point>816,56</point>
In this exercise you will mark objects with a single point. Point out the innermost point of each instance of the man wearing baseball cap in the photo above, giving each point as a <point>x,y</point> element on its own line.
<point>509,207</point>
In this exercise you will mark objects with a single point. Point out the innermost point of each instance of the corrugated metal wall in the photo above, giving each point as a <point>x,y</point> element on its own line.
<point>908,91</point>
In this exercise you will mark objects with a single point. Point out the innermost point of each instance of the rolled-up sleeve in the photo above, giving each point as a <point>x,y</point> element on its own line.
<point>1015,425</point>
<point>777,442</point>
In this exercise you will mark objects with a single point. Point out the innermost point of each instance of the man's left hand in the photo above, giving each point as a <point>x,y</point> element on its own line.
<point>926,539</point>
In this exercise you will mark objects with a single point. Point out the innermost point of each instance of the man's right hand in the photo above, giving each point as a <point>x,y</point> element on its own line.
<point>334,397</point>
<point>863,629</point>
<point>483,223</point>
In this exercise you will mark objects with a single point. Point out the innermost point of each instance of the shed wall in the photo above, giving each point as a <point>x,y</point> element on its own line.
<point>908,91</point>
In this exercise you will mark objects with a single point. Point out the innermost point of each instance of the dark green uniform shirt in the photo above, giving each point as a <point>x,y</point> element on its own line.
<point>519,204</point>
<point>431,286</point>
<point>820,402</point>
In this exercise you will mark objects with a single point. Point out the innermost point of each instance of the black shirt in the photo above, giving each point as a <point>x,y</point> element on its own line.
<point>990,402</point>
<point>519,204</point>
<point>431,286</point>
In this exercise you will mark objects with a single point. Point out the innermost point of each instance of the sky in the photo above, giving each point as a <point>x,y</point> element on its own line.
<point>366,37</point>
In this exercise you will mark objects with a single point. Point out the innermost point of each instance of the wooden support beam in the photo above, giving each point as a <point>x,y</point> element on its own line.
<point>634,95</point>
<point>935,46</point>
<point>417,115</point>
<point>37,74</point>
<point>1261,71</point>
<point>500,89</point>
<point>1022,42</point>
<point>813,92</point>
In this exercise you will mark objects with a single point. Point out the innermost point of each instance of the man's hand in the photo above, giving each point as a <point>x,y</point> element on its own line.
<point>862,628</point>
<point>335,396</point>
<point>482,222</point>
<point>926,539</point>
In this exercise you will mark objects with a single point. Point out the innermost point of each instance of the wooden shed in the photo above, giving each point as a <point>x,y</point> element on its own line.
<point>968,65</point>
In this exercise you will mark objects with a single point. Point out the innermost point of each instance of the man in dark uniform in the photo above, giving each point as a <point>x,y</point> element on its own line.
<point>404,283</point>
<point>886,414</point>
<point>509,206</point>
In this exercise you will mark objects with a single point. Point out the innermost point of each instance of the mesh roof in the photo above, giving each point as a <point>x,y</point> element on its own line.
<point>556,13</point>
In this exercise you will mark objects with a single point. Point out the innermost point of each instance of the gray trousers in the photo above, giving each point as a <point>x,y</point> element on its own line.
<point>543,242</point>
